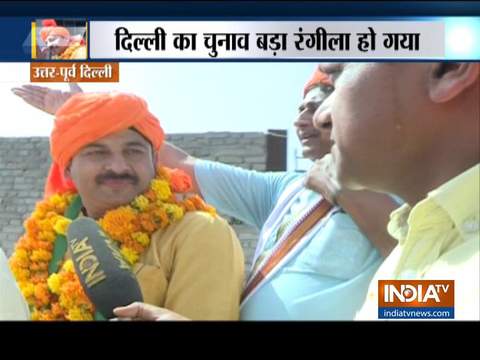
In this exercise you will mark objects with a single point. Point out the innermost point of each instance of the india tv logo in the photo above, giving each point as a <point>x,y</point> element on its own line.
<point>416,299</point>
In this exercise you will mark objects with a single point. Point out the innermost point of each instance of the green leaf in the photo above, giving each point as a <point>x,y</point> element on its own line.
<point>60,247</point>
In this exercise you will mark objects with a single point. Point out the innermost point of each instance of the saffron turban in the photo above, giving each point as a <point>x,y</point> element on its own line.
<point>318,78</point>
<point>88,117</point>
<point>50,28</point>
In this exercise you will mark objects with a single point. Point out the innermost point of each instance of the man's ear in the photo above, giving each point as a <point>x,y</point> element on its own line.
<point>155,158</point>
<point>449,79</point>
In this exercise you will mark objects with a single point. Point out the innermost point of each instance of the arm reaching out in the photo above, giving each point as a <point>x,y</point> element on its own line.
<point>44,98</point>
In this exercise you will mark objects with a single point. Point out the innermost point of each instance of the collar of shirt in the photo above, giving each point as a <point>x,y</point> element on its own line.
<point>453,203</point>
<point>459,198</point>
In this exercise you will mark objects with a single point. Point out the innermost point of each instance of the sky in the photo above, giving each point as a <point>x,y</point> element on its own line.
<point>186,97</point>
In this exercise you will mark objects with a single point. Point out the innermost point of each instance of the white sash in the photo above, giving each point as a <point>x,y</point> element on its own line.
<point>272,224</point>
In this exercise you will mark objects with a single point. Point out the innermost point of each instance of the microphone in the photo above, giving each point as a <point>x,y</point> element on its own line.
<point>106,277</point>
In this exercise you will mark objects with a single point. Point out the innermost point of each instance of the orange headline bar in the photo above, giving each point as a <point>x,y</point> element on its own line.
<point>74,72</point>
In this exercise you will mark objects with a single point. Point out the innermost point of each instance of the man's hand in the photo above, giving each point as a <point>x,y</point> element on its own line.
<point>322,179</point>
<point>44,98</point>
<point>370,210</point>
<point>146,312</point>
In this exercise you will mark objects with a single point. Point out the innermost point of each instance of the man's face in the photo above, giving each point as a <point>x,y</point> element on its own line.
<point>56,43</point>
<point>113,170</point>
<point>367,109</point>
<point>315,142</point>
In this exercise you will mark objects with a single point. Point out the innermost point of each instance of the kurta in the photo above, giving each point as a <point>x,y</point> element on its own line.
<point>194,267</point>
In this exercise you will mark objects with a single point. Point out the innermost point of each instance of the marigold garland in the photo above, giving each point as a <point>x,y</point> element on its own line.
<point>60,296</point>
<point>69,52</point>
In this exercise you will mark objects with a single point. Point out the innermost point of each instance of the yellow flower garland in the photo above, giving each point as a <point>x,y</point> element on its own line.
<point>60,296</point>
<point>69,52</point>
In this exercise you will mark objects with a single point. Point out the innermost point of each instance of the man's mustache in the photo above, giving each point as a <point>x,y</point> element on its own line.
<point>114,176</point>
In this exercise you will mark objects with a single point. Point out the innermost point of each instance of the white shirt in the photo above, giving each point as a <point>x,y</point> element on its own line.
<point>12,303</point>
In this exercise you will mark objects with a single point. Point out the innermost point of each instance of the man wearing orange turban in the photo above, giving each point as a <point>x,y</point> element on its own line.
<point>317,81</point>
<point>104,147</point>
<point>60,44</point>
<point>86,118</point>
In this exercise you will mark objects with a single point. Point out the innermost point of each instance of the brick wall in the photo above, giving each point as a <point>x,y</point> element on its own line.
<point>24,164</point>
<point>246,150</point>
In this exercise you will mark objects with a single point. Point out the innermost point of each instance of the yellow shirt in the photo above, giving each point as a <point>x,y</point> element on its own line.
<point>74,51</point>
<point>80,53</point>
<point>194,267</point>
<point>439,239</point>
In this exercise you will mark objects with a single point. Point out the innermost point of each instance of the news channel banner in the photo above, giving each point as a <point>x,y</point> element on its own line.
<point>90,49</point>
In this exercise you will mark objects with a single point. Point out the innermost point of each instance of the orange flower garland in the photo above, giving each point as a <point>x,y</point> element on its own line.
<point>69,51</point>
<point>60,296</point>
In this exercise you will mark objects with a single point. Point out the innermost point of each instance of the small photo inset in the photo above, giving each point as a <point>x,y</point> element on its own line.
<point>59,39</point>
